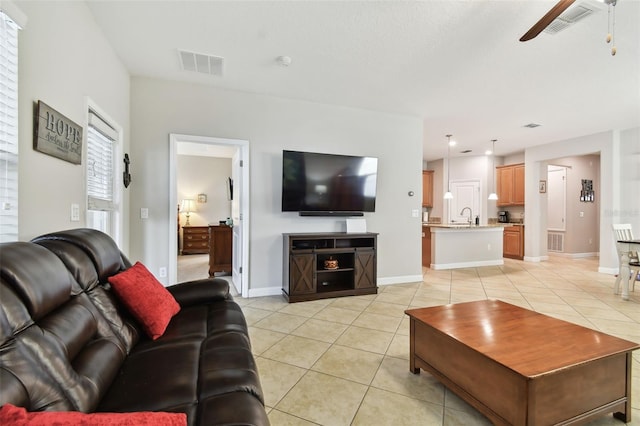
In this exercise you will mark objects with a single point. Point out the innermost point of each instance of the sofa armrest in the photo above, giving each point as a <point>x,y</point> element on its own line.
<point>200,292</point>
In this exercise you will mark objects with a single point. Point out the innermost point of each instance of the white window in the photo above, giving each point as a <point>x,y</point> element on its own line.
<point>8,129</point>
<point>103,202</point>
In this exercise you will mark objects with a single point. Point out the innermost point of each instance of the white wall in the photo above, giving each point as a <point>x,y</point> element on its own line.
<point>477,167</point>
<point>629,172</point>
<point>582,232</point>
<point>617,184</point>
<point>270,125</point>
<point>63,58</point>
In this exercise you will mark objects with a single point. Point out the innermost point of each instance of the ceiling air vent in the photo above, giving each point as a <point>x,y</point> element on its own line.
<point>570,17</point>
<point>198,62</point>
<point>532,125</point>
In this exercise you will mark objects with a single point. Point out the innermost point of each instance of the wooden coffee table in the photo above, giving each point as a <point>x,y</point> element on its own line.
<point>519,367</point>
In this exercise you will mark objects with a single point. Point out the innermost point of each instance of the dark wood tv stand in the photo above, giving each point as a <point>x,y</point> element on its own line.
<point>304,274</point>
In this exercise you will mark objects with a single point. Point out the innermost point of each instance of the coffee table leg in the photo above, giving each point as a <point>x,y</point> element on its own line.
<point>626,415</point>
<point>412,347</point>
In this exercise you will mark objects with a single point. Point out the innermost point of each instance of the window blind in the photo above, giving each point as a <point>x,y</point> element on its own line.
<point>101,138</point>
<point>8,129</point>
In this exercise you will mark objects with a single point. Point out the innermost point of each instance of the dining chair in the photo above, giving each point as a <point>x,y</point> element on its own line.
<point>624,231</point>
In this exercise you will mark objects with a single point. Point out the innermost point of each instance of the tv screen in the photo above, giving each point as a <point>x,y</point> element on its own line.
<point>328,183</point>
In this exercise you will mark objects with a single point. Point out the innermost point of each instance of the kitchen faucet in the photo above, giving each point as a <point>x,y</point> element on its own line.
<point>470,213</point>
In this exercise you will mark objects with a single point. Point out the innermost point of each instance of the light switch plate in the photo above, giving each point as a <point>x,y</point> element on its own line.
<point>75,212</point>
<point>144,213</point>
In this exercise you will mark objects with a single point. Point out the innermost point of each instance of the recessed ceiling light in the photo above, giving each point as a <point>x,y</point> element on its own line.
<point>532,125</point>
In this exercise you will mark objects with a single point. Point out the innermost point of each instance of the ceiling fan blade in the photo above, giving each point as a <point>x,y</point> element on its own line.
<point>552,14</point>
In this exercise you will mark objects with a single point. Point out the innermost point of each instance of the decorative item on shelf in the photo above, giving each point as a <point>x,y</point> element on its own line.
<point>448,195</point>
<point>126,176</point>
<point>187,206</point>
<point>229,222</point>
<point>331,263</point>
<point>202,198</point>
<point>493,196</point>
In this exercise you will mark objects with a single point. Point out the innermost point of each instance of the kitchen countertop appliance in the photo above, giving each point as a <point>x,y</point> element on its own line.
<point>503,216</point>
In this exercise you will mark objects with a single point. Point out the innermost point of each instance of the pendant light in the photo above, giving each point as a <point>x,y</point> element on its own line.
<point>448,195</point>
<point>493,196</point>
<point>611,29</point>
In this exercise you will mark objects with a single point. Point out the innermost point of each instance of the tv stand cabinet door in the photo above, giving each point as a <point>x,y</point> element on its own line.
<point>365,269</point>
<point>301,274</point>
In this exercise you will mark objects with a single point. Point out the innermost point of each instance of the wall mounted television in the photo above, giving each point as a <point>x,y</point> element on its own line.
<point>316,184</point>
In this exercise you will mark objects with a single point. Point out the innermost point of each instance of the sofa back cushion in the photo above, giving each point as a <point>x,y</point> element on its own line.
<point>80,259</point>
<point>55,350</point>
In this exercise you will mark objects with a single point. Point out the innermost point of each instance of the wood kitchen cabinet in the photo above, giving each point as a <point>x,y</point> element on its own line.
<point>427,188</point>
<point>513,242</point>
<point>195,240</point>
<point>510,185</point>
<point>426,246</point>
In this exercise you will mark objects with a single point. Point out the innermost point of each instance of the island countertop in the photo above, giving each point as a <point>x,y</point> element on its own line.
<point>464,226</point>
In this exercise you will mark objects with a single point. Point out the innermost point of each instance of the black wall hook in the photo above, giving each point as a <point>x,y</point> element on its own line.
<point>126,176</point>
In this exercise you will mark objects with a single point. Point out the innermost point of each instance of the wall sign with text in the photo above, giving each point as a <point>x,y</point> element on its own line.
<point>56,135</point>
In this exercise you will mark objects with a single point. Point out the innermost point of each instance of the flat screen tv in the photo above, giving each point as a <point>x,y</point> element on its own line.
<point>316,184</point>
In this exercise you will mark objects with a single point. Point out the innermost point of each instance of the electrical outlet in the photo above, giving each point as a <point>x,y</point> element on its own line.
<point>163,272</point>
<point>415,213</point>
<point>581,214</point>
<point>144,213</point>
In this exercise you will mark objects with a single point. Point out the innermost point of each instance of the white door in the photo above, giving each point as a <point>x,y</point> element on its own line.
<point>466,193</point>
<point>236,215</point>
<point>556,198</point>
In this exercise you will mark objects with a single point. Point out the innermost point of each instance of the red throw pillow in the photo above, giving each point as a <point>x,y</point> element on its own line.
<point>147,299</point>
<point>18,416</point>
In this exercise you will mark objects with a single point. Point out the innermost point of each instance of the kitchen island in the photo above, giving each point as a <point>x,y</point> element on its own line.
<point>465,246</point>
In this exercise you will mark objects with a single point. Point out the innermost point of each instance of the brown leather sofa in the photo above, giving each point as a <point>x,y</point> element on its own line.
<point>67,343</point>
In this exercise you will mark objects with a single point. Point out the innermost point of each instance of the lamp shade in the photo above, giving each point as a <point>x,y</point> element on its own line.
<point>188,205</point>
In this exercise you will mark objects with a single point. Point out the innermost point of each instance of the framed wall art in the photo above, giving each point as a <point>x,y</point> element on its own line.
<point>56,135</point>
<point>542,186</point>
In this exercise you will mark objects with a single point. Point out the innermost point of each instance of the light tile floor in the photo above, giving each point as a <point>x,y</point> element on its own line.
<point>344,361</point>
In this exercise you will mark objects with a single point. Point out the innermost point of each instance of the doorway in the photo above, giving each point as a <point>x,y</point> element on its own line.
<point>238,153</point>
<point>556,207</point>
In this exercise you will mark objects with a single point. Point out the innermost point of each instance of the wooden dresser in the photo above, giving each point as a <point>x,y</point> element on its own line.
<point>195,239</point>
<point>220,249</point>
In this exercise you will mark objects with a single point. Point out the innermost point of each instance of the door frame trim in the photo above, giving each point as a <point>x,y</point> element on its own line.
<point>242,192</point>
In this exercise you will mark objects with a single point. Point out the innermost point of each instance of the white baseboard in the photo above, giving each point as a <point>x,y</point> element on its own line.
<point>441,266</point>
<point>535,258</point>
<point>266,291</point>
<point>610,271</point>
<point>277,291</point>
<point>400,280</point>
<point>574,255</point>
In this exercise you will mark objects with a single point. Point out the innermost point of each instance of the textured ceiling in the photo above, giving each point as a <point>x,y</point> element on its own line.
<point>458,65</point>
